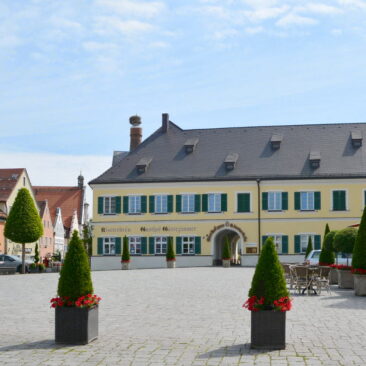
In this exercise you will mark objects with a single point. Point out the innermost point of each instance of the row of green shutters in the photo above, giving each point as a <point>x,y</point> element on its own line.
<point>151,240</point>
<point>297,241</point>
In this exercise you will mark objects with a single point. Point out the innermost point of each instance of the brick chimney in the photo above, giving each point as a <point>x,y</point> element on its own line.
<point>136,132</point>
<point>165,122</point>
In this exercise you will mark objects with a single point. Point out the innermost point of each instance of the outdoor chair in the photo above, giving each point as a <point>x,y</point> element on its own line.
<point>288,274</point>
<point>301,278</point>
<point>322,281</point>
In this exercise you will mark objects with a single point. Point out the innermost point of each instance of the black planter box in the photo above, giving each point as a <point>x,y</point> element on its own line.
<point>76,325</point>
<point>268,329</point>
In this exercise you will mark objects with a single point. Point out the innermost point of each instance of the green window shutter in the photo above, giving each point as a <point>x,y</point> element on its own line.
<point>143,204</point>
<point>152,245</point>
<point>297,244</point>
<point>284,201</point>
<point>197,203</point>
<point>265,201</point>
<point>100,205</point>
<point>264,238</point>
<point>151,204</point>
<point>284,244</point>
<point>223,202</point>
<point>178,245</point>
<point>178,203</point>
<point>317,201</point>
<point>297,201</point>
<point>204,202</point>
<point>100,246</point>
<point>118,245</point>
<point>118,204</point>
<point>144,245</point>
<point>125,204</point>
<point>197,245</point>
<point>336,201</point>
<point>243,202</point>
<point>170,203</point>
<point>317,241</point>
<point>342,198</point>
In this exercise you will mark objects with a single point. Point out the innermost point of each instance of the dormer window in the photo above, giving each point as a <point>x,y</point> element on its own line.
<point>143,164</point>
<point>356,137</point>
<point>190,145</point>
<point>230,161</point>
<point>314,159</point>
<point>276,140</point>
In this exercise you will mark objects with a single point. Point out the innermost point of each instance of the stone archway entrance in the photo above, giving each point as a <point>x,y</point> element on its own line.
<point>235,240</point>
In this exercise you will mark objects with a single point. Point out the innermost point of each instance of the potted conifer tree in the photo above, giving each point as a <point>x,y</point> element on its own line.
<point>327,257</point>
<point>268,301</point>
<point>226,253</point>
<point>125,260</point>
<point>76,307</point>
<point>359,259</point>
<point>170,255</point>
<point>344,242</point>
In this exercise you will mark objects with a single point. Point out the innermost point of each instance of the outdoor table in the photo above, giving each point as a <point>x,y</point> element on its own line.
<point>312,281</point>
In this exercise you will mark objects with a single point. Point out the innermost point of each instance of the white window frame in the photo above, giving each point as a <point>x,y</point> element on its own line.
<point>108,206</point>
<point>215,205</point>
<point>134,243</point>
<point>189,207</point>
<point>161,203</point>
<point>161,242</point>
<point>306,241</point>
<point>307,206</point>
<point>110,243</point>
<point>277,206</point>
<point>188,245</point>
<point>134,204</point>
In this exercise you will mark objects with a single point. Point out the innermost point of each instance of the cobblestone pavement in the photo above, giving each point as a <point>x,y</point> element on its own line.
<point>190,316</point>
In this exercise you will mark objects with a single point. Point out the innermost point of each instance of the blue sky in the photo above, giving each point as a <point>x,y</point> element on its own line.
<point>73,71</point>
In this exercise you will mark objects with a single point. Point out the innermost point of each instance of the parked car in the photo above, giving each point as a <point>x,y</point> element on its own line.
<point>313,258</point>
<point>13,261</point>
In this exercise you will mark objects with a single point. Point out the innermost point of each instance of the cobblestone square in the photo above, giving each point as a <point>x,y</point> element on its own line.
<point>186,316</point>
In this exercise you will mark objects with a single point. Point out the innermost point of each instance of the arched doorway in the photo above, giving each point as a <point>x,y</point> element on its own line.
<point>218,240</point>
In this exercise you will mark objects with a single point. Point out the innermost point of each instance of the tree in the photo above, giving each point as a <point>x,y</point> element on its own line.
<point>226,252</point>
<point>359,250</point>
<point>268,280</point>
<point>75,279</point>
<point>309,247</point>
<point>170,255</point>
<point>126,250</point>
<point>87,239</point>
<point>344,240</point>
<point>327,256</point>
<point>23,224</point>
<point>36,254</point>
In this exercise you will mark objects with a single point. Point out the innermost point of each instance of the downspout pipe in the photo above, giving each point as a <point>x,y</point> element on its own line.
<point>259,215</point>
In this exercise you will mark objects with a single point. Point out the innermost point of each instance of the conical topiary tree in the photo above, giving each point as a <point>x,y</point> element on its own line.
<point>359,250</point>
<point>226,252</point>
<point>170,255</point>
<point>327,256</point>
<point>309,247</point>
<point>344,240</point>
<point>269,279</point>
<point>126,250</point>
<point>36,254</point>
<point>23,224</point>
<point>75,279</point>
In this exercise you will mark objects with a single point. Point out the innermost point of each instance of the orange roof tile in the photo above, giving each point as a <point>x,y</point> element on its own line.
<point>8,180</point>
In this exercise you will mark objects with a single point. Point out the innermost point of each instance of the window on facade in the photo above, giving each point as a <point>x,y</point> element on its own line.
<point>187,202</point>
<point>109,246</point>
<point>304,239</point>
<point>109,205</point>
<point>306,201</point>
<point>134,204</point>
<point>161,203</point>
<point>214,202</point>
<point>274,201</point>
<point>188,244</point>
<point>339,200</point>
<point>161,244</point>
<point>135,244</point>
<point>278,242</point>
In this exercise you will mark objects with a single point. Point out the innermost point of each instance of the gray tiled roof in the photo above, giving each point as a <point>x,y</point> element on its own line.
<point>256,159</point>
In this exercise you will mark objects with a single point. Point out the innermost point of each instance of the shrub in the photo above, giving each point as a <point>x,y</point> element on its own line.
<point>170,255</point>
<point>126,250</point>
<point>75,280</point>
<point>359,250</point>
<point>327,255</point>
<point>309,247</point>
<point>268,281</point>
<point>41,267</point>
<point>32,266</point>
<point>329,240</point>
<point>344,240</point>
<point>36,254</point>
<point>226,252</point>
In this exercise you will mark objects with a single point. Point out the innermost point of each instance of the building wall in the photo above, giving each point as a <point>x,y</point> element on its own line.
<point>288,222</point>
<point>46,242</point>
<point>2,238</point>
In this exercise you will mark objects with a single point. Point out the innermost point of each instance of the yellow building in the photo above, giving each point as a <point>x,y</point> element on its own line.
<point>200,186</point>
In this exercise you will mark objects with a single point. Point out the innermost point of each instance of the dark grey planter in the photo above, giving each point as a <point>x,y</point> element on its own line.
<point>76,325</point>
<point>268,329</point>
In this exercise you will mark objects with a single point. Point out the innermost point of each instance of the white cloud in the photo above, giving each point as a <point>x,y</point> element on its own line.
<point>319,8</point>
<point>99,46</point>
<point>353,4</point>
<point>65,23</point>
<point>254,30</point>
<point>159,44</point>
<point>9,41</point>
<point>106,24</point>
<point>224,34</point>
<point>295,19</point>
<point>261,14</point>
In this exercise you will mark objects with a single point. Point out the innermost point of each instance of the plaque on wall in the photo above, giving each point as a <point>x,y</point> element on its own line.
<point>251,250</point>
